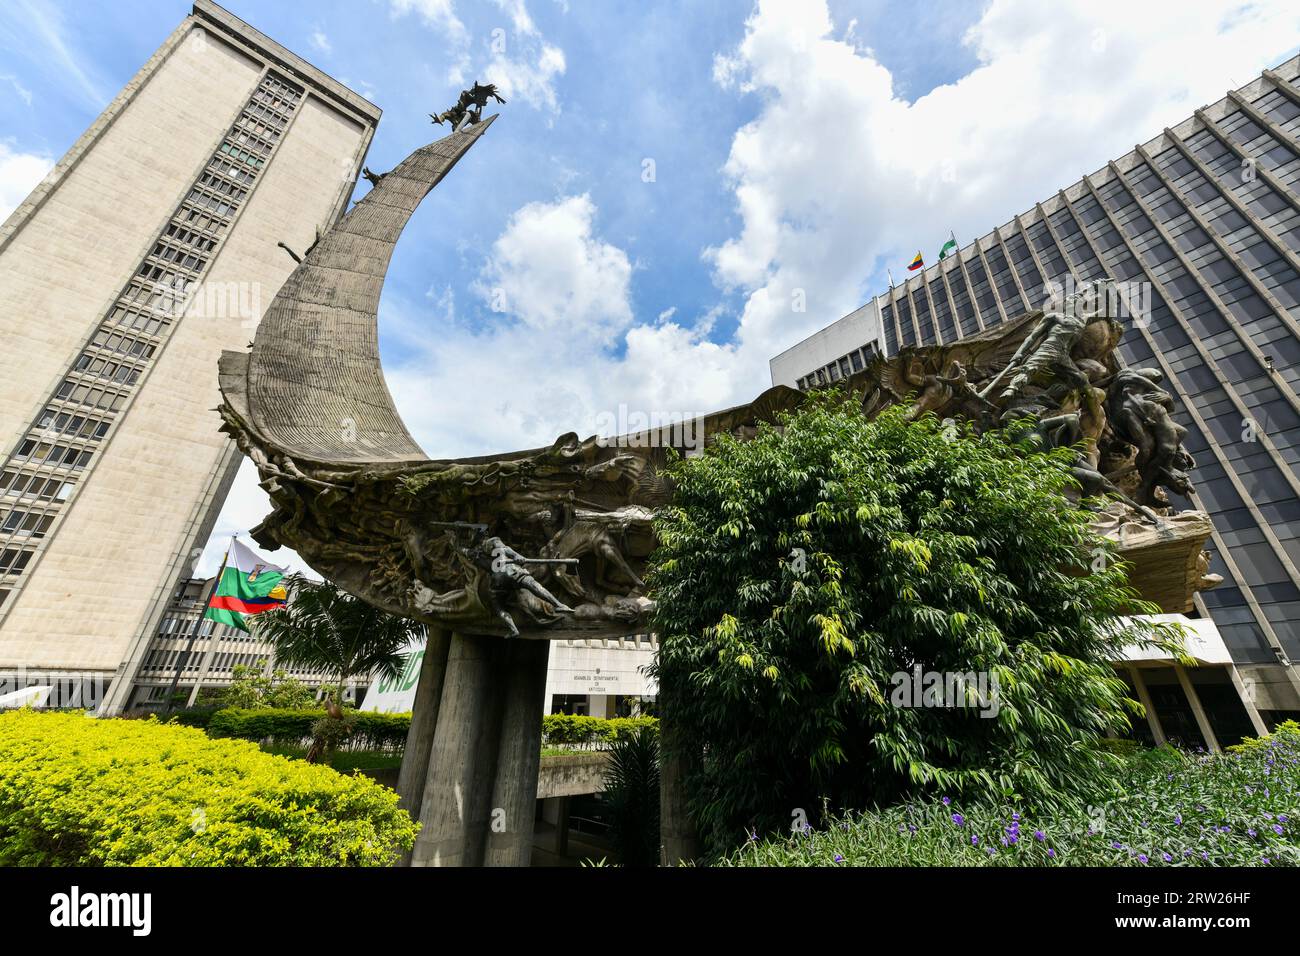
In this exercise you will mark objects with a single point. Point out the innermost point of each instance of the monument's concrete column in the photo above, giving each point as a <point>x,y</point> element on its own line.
<point>424,719</point>
<point>461,770</point>
<point>514,793</point>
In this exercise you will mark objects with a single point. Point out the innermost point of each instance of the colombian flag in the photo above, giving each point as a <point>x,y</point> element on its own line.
<point>248,585</point>
<point>917,262</point>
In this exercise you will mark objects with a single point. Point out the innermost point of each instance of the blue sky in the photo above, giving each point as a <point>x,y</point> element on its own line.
<point>798,149</point>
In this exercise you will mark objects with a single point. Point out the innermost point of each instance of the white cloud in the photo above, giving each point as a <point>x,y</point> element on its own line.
<point>564,347</point>
<point>837,176</point>
<point>439,14</point>
<point>524,65</point>
<point>20,173</point>
<point>321,41</point>
<point>23,92</point>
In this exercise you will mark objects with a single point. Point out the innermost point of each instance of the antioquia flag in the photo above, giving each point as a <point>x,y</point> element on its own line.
<point>248,585</point>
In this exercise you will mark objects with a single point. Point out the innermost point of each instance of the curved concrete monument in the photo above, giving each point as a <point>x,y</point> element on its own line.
<point>551,543</point>
<point>545,543</point>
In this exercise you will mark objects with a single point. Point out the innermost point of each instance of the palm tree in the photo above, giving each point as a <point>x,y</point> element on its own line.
<point>326,628</point>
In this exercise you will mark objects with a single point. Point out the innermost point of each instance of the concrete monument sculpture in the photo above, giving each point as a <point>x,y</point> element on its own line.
<point>502,553</point>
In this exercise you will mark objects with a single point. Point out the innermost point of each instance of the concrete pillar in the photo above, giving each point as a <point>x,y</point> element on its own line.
<point>453,815</point>
<point>1144,698</point>
<point>513,805</point>
<point>1193,698</point>
<point>1248,701</point>
<point>562,827</point>
<point>424,718</point>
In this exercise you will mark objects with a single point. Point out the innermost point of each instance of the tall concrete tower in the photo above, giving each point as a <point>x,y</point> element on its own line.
<point>149,248</point>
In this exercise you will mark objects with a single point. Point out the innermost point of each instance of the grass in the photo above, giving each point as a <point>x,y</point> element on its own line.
<point>1167,808</point>
<point>345,761</point>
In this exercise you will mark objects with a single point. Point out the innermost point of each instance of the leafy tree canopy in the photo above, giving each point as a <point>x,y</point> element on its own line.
<point>804,576</point>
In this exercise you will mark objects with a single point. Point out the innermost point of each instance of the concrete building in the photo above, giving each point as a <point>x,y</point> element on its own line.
<point>201,654</point>
<point>150,247</point>
<point>1203,221</point>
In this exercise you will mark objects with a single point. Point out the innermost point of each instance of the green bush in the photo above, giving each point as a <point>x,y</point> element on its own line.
<point>370,731</point>
<point>803,577</point>
<point>579,729</point>
<point>82,792</point>
<point>1167,809</point>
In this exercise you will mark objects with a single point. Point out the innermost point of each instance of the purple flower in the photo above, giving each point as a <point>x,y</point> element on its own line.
<point>1277,829</point>
<point>1250,832</point>
<point>1116,845</point>
<point>838,858</point>
<point>958,819</point>
<point>1205,854</point>
<point>1142,858</point>
<point>945,801</point>
<point>1051,853</point>
<point>1178,819</point>
<point>1168,858</point>
<point>974,840</point>
<point>1040,836</point>
<point>1265,860</point>
<point>1015,816</point>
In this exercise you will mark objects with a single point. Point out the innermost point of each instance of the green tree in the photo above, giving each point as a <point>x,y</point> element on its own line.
<point>250,688</point>
<point>324,627</point>
<point>803,576</point>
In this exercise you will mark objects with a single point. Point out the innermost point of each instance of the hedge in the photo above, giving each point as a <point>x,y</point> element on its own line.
<point>388,731</point>
<point>373,731</point>
<point>576,729</point>
<point>81,792</point>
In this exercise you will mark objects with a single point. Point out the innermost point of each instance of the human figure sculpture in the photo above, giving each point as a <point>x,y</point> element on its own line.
<point>1140,413</point>
<point>469,105</point>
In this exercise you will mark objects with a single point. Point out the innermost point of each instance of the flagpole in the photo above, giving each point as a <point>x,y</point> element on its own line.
<point>189,646</point>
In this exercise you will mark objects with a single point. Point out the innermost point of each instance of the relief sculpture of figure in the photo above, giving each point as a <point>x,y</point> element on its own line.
<point>1140,413</point>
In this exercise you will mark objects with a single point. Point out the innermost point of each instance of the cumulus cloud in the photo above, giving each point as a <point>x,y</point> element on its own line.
<point>838,176</point>
<point>20,173</point>
<point>523,65</point>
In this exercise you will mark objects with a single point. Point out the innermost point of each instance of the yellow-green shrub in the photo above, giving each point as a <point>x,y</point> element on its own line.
<point>76,791</point>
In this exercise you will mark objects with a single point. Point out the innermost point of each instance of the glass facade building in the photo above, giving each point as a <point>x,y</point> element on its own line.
<point>1205,219</point>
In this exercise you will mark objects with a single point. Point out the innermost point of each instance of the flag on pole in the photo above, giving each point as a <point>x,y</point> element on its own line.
<point>917,262</point>
<point>949,248</point>
<point>248,585</point>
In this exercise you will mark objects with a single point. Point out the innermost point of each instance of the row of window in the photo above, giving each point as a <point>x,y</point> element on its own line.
<point>53,422</point>
<point>55,456</point>
<point>79,393</point>
<point>18,484</point>
<point>842,367</point>
<point>12,561</point>
<point>26,524</point>
<point>117,342</point>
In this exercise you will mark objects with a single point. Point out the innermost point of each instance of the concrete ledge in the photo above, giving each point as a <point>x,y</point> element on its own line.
<point>565,775</point>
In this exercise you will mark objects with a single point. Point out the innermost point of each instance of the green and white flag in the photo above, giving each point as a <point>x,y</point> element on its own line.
<point>948,249</point>
<point>248,585</point>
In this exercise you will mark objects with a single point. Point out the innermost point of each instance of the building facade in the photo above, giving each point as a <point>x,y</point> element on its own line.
<point>193,654</point>
<point>150,247</point>
<point>1202,223</point>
